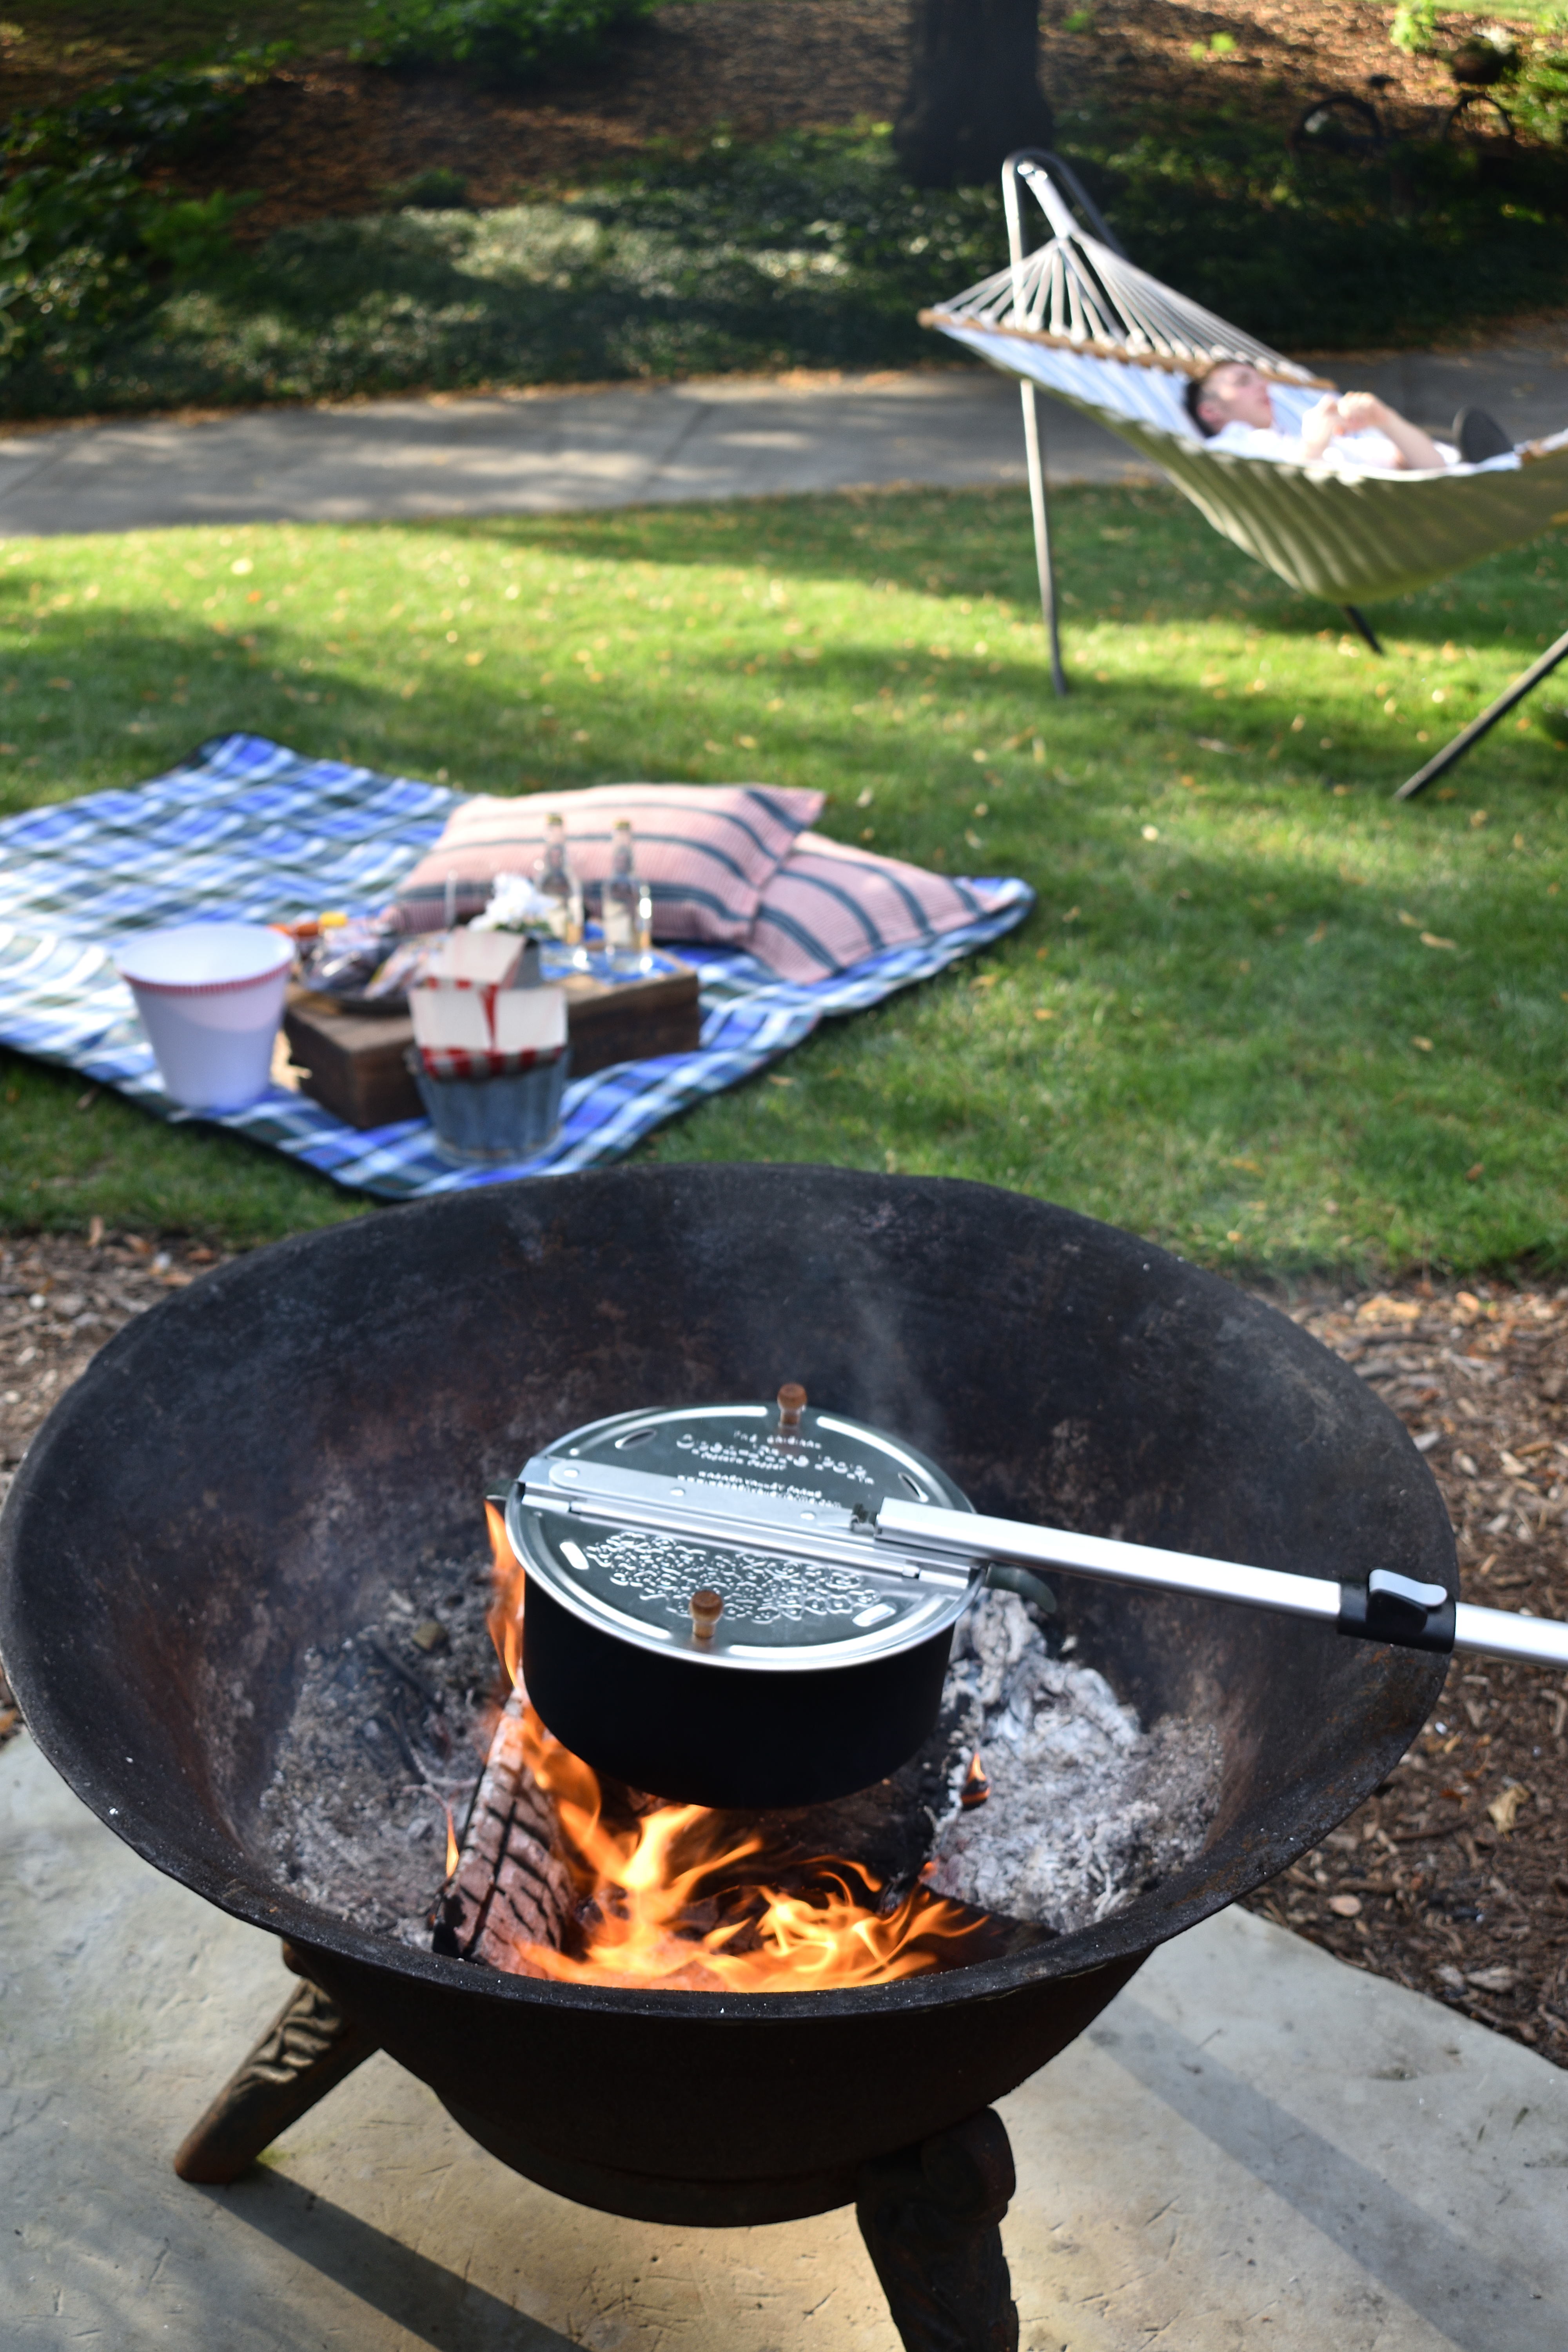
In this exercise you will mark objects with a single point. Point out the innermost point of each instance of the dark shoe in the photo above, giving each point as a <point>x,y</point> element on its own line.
<point>1480,436</point>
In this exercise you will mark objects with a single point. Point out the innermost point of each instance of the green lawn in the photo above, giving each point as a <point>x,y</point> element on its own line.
<point>1261,1014</point>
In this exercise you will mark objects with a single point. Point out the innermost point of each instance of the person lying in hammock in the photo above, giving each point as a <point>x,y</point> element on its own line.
<point>1234,407</point>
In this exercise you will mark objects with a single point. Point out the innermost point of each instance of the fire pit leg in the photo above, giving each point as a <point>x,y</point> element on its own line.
<point>305,2053</point>
<point>932,2219</point>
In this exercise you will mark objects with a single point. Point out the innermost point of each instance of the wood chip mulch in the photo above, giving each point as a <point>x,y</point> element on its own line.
<point>60,1299</point>
<point>326,136</point>
<point>1453,1879</point>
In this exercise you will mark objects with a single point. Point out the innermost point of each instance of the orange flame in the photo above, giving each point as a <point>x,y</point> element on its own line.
<point>665,1900</point>
<point>667,1903</point>
<point>454,1852</point>
<point>505,1617</point>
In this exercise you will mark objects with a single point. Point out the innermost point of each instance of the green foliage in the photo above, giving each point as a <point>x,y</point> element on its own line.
<point>807,248</point>
<point>1320,251</point>
<point>1415,28</point>
<point>500,40</point>
<point>86,244</point>
<point>1208,1030</point>
<point>1537,95</point>
<point>438,190</point>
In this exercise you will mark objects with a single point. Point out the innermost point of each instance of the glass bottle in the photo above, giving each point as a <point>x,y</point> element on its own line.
<point>626,914</point>
<point>556,880</point>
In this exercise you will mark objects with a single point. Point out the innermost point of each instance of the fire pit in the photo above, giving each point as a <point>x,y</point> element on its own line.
<point>240,1477</point>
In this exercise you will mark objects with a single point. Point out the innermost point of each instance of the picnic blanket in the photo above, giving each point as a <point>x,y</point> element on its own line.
<point>247,830</point>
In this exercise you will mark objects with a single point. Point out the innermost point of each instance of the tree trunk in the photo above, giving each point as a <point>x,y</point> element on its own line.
<point>974,91</point>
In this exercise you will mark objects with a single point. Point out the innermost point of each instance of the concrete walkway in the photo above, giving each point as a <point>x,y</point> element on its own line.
<point>1256,2146</point>
<point>726,437</point>
<point>554,453</point>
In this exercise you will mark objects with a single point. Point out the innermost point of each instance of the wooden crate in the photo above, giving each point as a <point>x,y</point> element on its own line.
<point>352,1062</point>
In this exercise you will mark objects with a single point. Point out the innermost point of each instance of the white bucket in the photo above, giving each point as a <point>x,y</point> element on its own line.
<point>210,997</point>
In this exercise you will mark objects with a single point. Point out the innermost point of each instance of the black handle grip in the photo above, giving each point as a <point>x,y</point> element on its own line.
<point>1402,1609</point>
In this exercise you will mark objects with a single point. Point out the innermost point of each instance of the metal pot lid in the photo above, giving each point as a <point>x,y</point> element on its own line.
<point>728,1602</point>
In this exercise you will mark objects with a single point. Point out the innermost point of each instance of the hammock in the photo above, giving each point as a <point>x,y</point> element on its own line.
<point>1079,321</point>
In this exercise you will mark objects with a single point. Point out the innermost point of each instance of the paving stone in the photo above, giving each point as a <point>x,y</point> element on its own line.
<point>1256,2146</point>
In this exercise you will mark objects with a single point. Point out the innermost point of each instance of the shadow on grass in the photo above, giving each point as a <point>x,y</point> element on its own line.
<point>1212,1029</point>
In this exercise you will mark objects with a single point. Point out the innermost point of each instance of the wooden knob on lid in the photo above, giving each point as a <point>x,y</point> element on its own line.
<point>707,1608</point>
<point>792,1404</point>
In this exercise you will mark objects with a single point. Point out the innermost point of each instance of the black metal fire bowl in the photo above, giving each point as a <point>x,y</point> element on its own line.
<point>243,1471</point>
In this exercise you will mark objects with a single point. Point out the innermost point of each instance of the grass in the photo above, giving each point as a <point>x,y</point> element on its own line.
<point>1261,1014</point>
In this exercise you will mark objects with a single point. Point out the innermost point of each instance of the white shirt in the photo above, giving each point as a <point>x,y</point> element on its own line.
<point>1356,452</point>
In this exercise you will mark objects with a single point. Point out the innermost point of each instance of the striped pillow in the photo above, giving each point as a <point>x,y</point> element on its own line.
<point>706,851</point>
<point>829,906</point>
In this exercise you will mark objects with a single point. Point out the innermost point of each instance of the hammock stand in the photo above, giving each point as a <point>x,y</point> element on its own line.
<point>1076,318</point>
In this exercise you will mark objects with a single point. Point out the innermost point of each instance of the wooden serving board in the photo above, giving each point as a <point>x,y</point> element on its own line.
<point>353,1064</point>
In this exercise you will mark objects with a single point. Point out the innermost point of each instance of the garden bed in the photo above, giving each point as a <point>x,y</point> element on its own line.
<point>720,192</point>
<point>328,136</point>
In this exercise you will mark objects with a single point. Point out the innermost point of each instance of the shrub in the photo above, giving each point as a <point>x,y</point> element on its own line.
<point>1538,98</point>
<point>809,249</point>
<point>438,190</point>
<point>500,40</point>
<point>1415,28</point>
<point>85,243</point>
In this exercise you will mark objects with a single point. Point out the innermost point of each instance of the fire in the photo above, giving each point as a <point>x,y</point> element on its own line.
<point>670,1898</point>
<point>505,1617</point>
<point>454,1853</point>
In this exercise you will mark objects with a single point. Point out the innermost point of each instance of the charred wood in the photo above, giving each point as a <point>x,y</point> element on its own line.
<point>509,1889</point>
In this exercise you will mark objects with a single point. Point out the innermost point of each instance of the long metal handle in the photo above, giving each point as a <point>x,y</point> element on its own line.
<point>923,1541</point>
<point>919,1526</point>
<point>1495,1633</point>
<point>1505,1634</point>
<point>739,1518</point>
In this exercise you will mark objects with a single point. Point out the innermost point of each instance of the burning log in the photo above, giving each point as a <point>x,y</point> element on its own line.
<point>559,1875</point>
<point>563,1875</point>
<point>508,1890</point>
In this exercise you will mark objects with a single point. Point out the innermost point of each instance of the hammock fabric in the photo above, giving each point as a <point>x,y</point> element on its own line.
<point>1076,318</point>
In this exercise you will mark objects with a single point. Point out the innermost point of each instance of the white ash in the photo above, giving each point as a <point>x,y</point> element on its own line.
<point>1087,1809</point>
<point>384,1735</point>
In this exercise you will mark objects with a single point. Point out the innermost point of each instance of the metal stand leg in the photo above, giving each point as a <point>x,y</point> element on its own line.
<point>1361,627</point>
<point>1456,751</point>
<point>932,2218</point>
<point>305,2053</point>
<point>1042,513</point>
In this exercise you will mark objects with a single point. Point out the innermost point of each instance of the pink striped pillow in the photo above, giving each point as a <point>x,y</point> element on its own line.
<point>829,906</point>
<point>706,851</point>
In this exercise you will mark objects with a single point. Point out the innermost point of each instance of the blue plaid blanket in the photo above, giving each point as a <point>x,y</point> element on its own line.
<point>249,831</point>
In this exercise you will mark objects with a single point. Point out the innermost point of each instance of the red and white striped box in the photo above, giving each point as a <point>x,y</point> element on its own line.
<point>495,1030</point>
